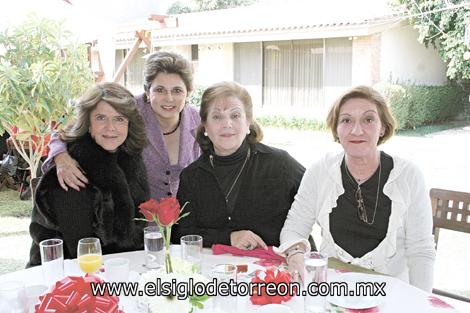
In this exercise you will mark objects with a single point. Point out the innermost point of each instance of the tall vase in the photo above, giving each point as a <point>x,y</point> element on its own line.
<point>167,239</point>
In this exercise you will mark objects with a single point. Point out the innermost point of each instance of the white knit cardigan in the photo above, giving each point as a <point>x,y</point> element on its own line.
<point>406,252</point>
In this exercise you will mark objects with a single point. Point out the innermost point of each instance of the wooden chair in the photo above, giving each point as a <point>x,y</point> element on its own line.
<point>451,210</point>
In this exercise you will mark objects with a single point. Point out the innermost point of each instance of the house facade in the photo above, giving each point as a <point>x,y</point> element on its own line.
<point>294,60</point>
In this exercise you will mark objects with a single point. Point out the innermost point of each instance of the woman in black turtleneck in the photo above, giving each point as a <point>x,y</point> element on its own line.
<point>239,191</point>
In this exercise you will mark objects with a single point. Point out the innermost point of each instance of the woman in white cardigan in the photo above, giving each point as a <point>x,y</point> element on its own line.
<point>373,209</point>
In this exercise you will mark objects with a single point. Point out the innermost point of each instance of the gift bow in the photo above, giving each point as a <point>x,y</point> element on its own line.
<point>271,275</point>
<point>73,295</point>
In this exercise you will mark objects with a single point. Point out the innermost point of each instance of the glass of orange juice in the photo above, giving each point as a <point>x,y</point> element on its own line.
<point>89,255</point>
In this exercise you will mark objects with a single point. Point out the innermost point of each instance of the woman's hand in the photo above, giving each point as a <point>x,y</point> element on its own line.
<point>296,265</point>
<point>246,240</point>
<point>69,172</point>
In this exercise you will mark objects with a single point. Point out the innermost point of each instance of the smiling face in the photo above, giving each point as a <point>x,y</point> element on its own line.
<point>167,95</point>
<point>226,125</point>
<point>359,128</point>
<point>108,127</point>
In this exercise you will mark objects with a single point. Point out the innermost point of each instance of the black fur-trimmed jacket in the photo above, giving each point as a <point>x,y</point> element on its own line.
<point>106,208</point>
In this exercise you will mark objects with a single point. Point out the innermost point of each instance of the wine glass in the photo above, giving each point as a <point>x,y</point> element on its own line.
<point>89,255</point>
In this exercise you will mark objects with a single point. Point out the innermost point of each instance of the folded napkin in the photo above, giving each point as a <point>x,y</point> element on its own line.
<point>257,253</point>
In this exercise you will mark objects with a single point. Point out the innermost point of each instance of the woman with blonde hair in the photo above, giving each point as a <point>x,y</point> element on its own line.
<point>107,139</point>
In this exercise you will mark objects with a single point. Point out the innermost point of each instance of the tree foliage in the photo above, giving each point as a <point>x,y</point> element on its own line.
<point>206,5</point>
<point>178,7</point>
<point>443,27</point>
<point>41,71</point>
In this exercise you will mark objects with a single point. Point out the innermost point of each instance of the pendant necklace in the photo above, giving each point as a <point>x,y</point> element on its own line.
<point>238,175</point>
<point>361,209</point>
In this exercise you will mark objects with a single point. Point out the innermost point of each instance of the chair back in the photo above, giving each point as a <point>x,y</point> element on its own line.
<point>450,210</point>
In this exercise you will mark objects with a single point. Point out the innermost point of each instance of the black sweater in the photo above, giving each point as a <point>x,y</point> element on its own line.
<point>267,188</point>
<point>104,209</point>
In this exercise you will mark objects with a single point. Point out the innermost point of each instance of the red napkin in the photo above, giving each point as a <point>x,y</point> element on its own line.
<point>261,253</point>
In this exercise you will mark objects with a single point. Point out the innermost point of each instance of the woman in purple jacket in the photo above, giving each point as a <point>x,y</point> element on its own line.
<point>170,123</point>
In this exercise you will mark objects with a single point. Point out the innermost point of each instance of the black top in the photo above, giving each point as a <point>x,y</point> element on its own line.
<point>106,208</point>
<point>348,231</point>
<point>227,169</point>
<point>267,188</point>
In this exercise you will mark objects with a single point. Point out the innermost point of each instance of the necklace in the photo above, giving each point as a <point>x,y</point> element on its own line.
<point>177,125</point>
<point>361,209</point>
<point>238,175</point>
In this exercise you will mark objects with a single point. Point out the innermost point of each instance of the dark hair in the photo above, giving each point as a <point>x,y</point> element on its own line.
<point>167,62</point>
<point>122,101</point>
<point>225,90</point>
<point>372,95</point>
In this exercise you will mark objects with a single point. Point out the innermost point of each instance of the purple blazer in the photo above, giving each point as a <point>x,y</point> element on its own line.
<point>163,177</point>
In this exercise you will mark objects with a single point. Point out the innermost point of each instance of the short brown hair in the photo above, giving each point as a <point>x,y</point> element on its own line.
<point>225,90</point>
<point>122,101</point>
<point>170,63</point>
<point>372,95</point>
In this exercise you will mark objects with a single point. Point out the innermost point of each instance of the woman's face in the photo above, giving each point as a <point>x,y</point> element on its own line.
<point>167,95</point>
<point>108,127</point>
<point>226,125</point>
<point>359,128</point>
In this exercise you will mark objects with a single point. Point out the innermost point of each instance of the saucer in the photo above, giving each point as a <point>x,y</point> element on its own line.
<point>274,308</point>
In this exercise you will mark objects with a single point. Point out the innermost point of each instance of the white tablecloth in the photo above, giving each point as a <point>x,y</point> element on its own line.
<point>400,296</point>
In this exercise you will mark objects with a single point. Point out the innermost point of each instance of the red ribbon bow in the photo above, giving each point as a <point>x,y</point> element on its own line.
<point>271,275</point>
<point>73,295</point>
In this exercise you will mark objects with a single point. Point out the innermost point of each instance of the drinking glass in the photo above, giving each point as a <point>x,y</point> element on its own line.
<point>316,267</point>
<point>224,273</point>
<point>191,250</point>
<point>13,297</point>
<point>154,247</point>
<point>116,269</point>
<point>52,260</point>
<point>89,255</point>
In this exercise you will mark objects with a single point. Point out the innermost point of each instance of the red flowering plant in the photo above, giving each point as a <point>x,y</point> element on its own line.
<point>165,213</point>
<point>272,276</point>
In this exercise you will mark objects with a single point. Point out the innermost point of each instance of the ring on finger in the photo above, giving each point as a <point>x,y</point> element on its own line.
<point>248,246</point>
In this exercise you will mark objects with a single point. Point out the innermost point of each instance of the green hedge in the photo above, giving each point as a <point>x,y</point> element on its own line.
<point>414,105</point>
<point>291,122</point>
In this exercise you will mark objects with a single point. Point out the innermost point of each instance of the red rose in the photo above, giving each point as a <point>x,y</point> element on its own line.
<point>149,209</point>
<point>167,211</point>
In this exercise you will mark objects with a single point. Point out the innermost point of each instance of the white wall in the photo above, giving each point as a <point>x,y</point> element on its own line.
<point>184,51</point>
<point>216,60</point>
<point>405,60</point>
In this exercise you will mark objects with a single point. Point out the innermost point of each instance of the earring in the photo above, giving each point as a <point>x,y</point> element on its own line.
<point>249,131</point>
<point>205,134</point>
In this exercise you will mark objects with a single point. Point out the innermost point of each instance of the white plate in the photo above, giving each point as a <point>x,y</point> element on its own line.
<point>252,268</point>
<point>274,308</point>
<point>250,273</point>
<point>355,302</point>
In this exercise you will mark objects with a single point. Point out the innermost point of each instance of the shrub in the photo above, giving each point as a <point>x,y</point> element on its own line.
<point>414,105</point>
<point>291,122</point>
<point>196,95</point>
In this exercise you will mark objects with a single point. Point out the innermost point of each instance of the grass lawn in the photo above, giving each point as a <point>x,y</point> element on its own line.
<point>429,129</point>
<point>11,205</point>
